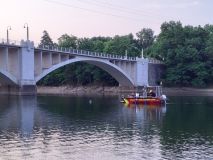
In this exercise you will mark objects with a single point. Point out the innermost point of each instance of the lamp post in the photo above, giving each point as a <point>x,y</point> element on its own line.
<point>126,53</point>
<point>142,46</point>
<point>142,53</point>
<point>26,26</point>
<point>8,28</point>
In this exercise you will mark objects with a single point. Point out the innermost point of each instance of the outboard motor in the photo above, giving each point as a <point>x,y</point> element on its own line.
<point>164,98</point>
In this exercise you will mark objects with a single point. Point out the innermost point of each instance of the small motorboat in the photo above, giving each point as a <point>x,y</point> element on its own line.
<point>150,96</point>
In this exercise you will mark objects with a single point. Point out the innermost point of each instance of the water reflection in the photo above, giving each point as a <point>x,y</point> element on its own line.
<point>60,127</point>
<point>187,128</point>
<point>18,113</point>
<point>148,112</point>
<point>27,107</point>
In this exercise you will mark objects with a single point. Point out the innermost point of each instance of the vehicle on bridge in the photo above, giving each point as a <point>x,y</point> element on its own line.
<point>151,95</point>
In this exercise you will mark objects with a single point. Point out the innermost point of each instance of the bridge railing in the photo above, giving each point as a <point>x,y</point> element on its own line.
<point>10,42</point>
<point>85,53</point>
<point>155,61</point>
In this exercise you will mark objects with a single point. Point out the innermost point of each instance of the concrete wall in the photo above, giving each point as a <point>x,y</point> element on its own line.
<point>37,63</point>
<point>18,90</point>
<point>155,73</point>
<point>14,62</point>
<point>3,58</point>
<point>141,73</point>
<point>46,60</point>
<point>26,64</point>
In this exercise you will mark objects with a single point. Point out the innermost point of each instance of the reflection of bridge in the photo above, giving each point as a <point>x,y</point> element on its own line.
<point>23,65</point>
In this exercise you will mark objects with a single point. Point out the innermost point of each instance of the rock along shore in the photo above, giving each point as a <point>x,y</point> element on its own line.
<point>106,90</point>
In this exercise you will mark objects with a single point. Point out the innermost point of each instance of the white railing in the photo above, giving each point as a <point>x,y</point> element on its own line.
<point>10,42</point>
<point>86,53</point>
<point>155,61</point>
<point>78,52</point>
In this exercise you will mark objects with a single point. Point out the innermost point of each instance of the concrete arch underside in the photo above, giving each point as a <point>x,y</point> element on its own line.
<point>7,78</point>
<point>116,72</point>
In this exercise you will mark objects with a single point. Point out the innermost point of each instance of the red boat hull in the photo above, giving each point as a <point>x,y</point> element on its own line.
<point>145,101</point>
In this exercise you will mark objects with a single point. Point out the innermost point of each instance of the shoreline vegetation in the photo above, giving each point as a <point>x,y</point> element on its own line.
<point>186,52</point>
<point>114,90</point>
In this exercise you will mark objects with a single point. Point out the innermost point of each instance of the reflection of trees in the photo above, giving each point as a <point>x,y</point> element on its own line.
<point>104,116</point>
<point>57,124</point>
<point>80,108</point>
<point>188,123</point>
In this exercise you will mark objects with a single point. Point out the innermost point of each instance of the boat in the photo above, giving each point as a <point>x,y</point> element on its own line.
<point>151,95</point>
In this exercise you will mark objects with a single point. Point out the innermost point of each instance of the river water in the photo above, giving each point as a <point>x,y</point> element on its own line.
<point>102,128</point>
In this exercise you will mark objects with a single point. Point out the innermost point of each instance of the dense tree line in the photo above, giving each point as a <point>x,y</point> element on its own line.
<point>187,52</point>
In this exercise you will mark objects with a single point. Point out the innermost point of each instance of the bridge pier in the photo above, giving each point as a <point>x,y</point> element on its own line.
<point>27,84</point>
<point>18,90</point>
<point>19,65</point>
<point>141,72</point>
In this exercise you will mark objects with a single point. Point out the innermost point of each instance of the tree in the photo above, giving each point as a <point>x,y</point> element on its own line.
<point>145,38</point>
<point>67,41</point>
<point>183,51</point>
<point>46,40</point>
<point>120,44</point>
<point>186,51</point>
<point>209,51</point>
<point>85,44</point>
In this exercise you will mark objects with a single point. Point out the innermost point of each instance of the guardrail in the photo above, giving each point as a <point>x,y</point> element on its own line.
<point>10,42</point>
<point>79,52</point>
<point>155,61</point>
<point>86,53</point>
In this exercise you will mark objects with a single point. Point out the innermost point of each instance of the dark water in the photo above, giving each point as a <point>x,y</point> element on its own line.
<point>101,128</point>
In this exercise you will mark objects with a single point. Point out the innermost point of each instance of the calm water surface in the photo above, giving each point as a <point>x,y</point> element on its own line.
<point>101,128</point>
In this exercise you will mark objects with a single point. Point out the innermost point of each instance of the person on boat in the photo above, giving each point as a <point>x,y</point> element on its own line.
<point>151,94</point>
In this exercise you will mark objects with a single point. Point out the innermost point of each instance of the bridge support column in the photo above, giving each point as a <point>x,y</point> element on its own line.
<point>18,90</point>
<point>27,85</point>
<point>142,72</point>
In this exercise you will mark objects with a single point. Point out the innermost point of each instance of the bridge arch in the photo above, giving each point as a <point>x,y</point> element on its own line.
<point>7,78</point>
<point>113,70</point>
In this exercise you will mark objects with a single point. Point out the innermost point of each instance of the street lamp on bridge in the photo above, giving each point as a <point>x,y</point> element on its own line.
<point>142,54</point>
<point>26,26</point>
<point>8,28</point>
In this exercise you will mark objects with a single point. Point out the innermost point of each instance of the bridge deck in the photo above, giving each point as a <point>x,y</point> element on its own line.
<point>85,53</point>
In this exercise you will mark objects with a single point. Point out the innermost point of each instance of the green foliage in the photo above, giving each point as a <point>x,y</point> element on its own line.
<point>46,40</point>
<point>80,73</point>
<point>187,52</point>
<point>145,38</point>
<point>55,78</point>
<point>67,41</point>
<point>120,44</point>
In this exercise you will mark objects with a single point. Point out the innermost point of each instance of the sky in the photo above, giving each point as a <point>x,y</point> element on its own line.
<point>89,18</point>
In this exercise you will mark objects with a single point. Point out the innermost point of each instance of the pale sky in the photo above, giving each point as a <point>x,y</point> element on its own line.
<point>89,18</point>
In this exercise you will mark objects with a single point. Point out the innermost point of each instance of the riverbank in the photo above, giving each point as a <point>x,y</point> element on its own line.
<point>184,91</point>
<point>78,90</point>
<point>97,90</point>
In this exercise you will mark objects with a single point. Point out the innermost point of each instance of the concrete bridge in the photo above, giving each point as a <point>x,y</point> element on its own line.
<point>22,65</point>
